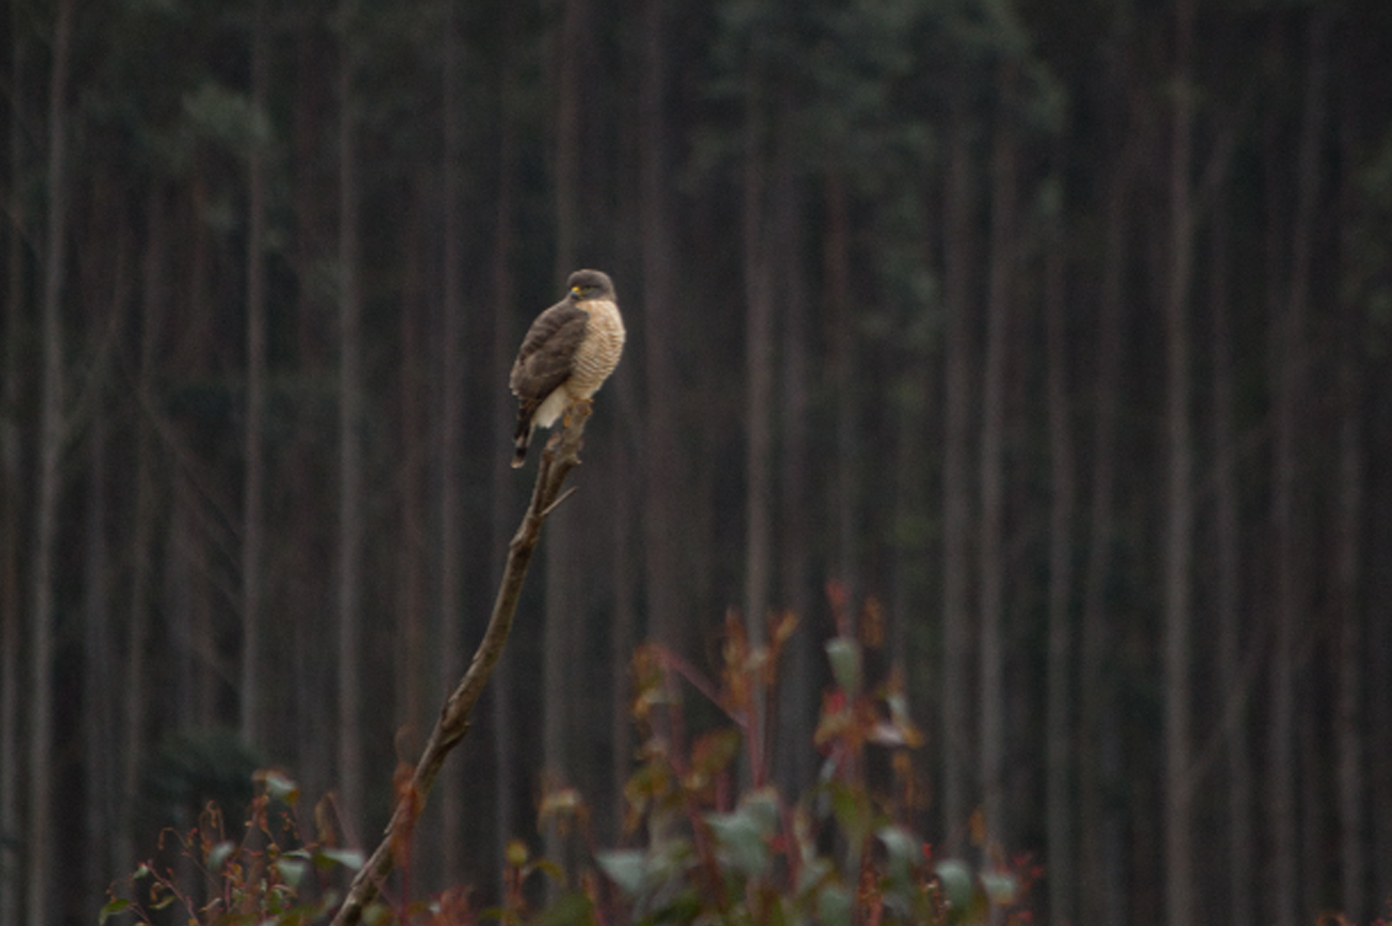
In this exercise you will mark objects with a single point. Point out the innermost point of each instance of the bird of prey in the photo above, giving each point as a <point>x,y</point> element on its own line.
<point>568,353</point>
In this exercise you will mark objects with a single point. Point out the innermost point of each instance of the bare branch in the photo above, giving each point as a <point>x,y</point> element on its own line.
<point>557,460</point>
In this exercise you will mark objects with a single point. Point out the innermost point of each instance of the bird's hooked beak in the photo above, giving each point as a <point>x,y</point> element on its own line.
<point>575,291</point>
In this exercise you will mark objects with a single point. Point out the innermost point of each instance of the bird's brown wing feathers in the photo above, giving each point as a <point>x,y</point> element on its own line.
<point>547,353</point>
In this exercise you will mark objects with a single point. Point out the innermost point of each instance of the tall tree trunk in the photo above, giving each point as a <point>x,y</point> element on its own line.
<point>761,162</point>
<point>413,668</point>
<point>50,477</point>
<point>758,361</point>
<point>797,694</point>
<point>12,471</point>
<point>846,507</point>
<point>189,545</point>
<point>1288,384</point>
<point>310,476</point>
<point>101,740</point>
<point>97,658</point>
<point>254,475</point>
<point>622,638</point>
<point>1348,582</point>
<point>1178,587</point>
<point>197,357</point>
<point>504,345</point>
<point>660,319</point>
<point>1099,850</point>
<point>452,442</point>
<point>153,292</point>
<point>1058,721</point>
<point>999,306</point>
<point>917,416</point>
<point>350,455</point>
<point>958,261</point>
<point>1228,593</point>
<point>180,601</point>
<point>1377,579</point>
<point>563,588</point>
<point>1279,809</point>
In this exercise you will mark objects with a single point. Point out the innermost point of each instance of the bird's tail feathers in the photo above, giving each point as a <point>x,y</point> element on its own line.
<point>520,441</point>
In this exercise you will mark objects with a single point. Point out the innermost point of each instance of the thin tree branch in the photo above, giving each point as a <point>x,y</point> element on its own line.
<point>557,460</point>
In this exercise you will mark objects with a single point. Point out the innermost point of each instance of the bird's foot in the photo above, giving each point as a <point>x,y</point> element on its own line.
<point>585,404</point>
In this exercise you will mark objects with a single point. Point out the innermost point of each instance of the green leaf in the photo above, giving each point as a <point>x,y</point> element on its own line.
<point>352,859</point>
<point>376,912</point>
<point>763,808</point>
<point>219,854</point>
<point>712,753</point>
<point>834,906</point>
<point>739,834</point>
<point>112,908</point>
<point>281,788</point>
<point>956,879</point>
<point>813,873</point>
<point>844,656</point>
<point>625,867</point>
<point>291,871</point>
<point>685,908</point>
<point>853,812</point>
<point>1001,887</point>
<point>570,909</point>
<point>903,851</point>
<point>550,869</point>
<point>776,908</point>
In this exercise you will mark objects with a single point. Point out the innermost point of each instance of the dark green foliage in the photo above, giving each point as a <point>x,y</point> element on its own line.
<point>193,769</point>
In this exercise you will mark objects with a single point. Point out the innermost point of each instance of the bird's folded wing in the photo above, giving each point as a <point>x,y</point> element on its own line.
<point>548,351</point>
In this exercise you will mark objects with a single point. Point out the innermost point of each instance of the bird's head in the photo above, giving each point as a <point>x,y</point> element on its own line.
<point>590,284</point>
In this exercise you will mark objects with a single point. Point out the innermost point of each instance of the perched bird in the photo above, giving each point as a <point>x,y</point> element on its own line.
<point>568,353</point>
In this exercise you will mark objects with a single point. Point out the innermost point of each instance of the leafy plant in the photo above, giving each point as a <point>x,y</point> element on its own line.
<point>705,848</point>
<point>270,875</point>
<point>839,854</point>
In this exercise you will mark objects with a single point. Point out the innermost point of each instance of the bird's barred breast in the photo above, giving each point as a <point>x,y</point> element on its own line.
<point>600,350</point>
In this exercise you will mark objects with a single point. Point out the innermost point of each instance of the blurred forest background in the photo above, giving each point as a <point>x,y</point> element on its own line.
<point>1056,333</point>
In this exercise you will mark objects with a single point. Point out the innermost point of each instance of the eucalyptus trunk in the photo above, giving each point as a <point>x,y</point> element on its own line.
<point>451,515</point>
<point>564,605</point>
<point>1228,589</point>
<point>758,366</point>
<point>12,473</point>
<point>846,502</point>
<point>660,324</point>
<point>413,639</point>
<point>958,260</point>
<point>504,344</point>
<point>999,309</point>
<point>52,433</point>
<point>1059,804</point>
<point>1099,862</point>
<point>1289,386</point>
<point>254,475</point>
<point>758,360</point>
<point>1351,644</point>
<point>1179,815</point>
<point>350,454</point>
